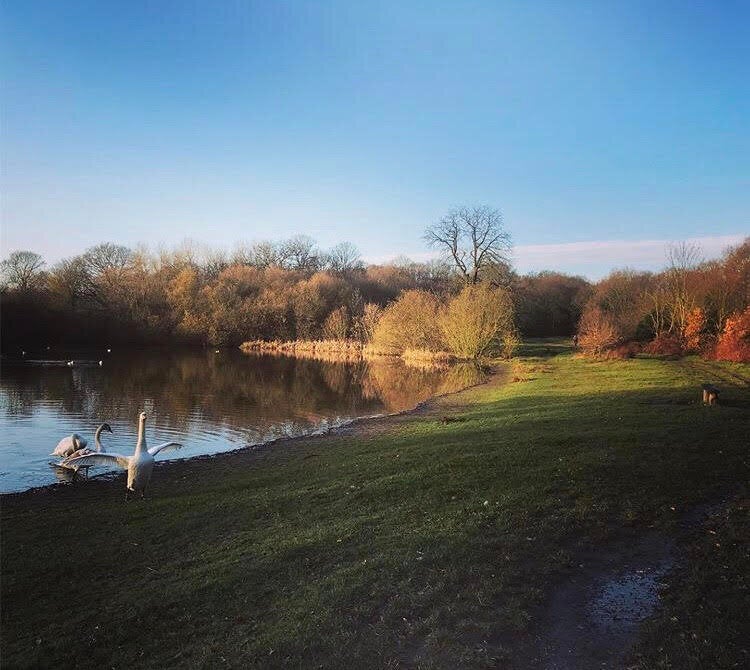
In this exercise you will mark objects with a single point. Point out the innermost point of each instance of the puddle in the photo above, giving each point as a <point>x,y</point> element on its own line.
<point>625,601</point>
<point>592,618</point>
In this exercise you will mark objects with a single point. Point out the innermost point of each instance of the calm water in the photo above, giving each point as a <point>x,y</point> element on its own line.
<point>211,402</point>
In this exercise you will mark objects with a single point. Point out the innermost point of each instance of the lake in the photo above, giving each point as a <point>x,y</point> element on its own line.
<point>211,402</point>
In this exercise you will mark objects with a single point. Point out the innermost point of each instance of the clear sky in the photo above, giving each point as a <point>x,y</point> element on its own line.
<point>600,129</point>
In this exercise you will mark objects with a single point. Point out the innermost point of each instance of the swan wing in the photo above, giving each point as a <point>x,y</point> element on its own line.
<point>69,444</point>
<point>63,446</point>
<point>162,447</point>
<point>108,460</point>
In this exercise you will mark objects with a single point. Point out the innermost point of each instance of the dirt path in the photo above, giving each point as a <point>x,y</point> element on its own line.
<point>714,372</point>
<point>592,618</point>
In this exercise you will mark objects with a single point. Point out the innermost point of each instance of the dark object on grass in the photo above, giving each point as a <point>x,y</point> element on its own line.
<point>453,419</point>
<point>710,394</point>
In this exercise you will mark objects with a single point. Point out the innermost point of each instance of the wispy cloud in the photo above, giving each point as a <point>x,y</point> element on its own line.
<point>595,258</point>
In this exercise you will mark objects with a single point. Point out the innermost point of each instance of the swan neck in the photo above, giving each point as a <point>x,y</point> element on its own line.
<point>141,445</point>
<point>97,442</point>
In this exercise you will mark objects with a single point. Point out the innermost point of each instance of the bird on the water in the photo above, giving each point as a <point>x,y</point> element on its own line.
<point>139,466</point>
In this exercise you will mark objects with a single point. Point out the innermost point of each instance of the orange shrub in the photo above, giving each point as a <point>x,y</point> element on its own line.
<point>665,344</point>
<point>693,330</point>
<point>734,341</point>
<point>627,350</point>
<point>597,332</point>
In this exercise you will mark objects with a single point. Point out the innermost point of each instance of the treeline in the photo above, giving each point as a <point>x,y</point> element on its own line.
<point>289,290</point>
<point>692,306</point>
<point>292,290</point>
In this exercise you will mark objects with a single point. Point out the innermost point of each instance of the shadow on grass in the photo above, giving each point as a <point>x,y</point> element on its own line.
<point>408,548</point>
<point>544,347</point>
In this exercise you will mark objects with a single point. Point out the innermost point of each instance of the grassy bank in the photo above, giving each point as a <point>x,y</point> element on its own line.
<point>426,540</point>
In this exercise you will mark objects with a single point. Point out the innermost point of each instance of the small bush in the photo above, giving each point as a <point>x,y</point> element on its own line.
<point>511,341</point>
<point>597,332</point>
<point>409,323</point>
<point>665,344</point>
<point>626,350</point>
<point>693,332</point>
<point>365,324</point>
<point>336,325</point>
<point>734,341</point>
<point>478,321</point>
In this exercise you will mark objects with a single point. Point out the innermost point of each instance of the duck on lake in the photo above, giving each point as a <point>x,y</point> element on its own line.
<point>139,466</point>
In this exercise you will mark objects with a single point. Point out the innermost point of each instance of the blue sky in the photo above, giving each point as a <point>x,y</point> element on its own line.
<point>600,129</point>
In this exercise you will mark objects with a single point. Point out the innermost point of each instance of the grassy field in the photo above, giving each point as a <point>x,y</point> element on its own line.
<point>409,542</point>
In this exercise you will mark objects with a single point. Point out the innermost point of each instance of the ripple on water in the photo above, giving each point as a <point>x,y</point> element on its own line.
<point>207,403</point>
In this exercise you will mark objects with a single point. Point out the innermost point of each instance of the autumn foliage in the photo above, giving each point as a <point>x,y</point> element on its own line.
<point>734,341</point>
<point>409,323</point>
<point>665,344</point>
<point>693,332</point>
<point>292,291</point>
<point>478,321</point>
<point>598,332</point>
<point>684,309</point>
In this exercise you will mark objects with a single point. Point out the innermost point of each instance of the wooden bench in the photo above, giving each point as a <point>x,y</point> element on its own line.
<point>710,394</point>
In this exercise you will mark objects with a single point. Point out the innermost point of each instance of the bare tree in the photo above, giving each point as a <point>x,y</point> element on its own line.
<point>71,280</point>
<point>367,322</point>
<point>301,253</point>
<point>344,257</point>
<point>22,270</point>
<point>213,262</point>
<point>473,238</point>
<point>265,254</point>
<point>683,258</point>
<point>106,257</point>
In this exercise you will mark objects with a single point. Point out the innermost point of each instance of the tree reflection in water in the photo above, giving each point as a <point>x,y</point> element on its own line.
<point>214,402</point>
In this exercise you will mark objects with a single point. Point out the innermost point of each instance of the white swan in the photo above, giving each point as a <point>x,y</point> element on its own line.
<point>139,465</point>
<point>80,448</point>
<point>73,443</point>
<point>68,445</point>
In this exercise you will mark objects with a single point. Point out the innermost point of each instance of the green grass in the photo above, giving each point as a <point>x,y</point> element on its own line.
<point>704,621</point>
<point>421,544</point>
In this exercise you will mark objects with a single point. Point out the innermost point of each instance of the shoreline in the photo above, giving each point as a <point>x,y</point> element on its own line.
<point>354,427</point>
<point>345,351</point>
<point>530,497</point>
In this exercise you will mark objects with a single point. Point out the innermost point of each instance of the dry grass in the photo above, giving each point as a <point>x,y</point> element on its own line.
<point>346,350</point>
<point>373,351</point>
<point>318,349</point>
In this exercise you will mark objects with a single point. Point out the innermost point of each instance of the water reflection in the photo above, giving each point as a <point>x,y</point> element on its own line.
<point>211,402</point>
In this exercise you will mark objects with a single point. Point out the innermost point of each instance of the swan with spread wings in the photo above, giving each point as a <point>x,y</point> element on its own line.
<point>139,466</point>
